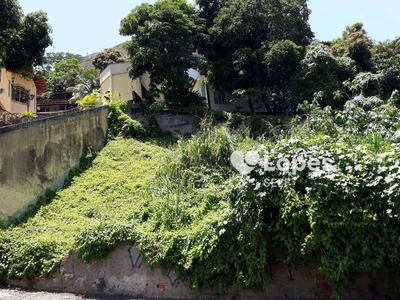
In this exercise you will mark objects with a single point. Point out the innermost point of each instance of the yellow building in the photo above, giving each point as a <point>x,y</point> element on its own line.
<point>17,94</point>
<point>115,78</point>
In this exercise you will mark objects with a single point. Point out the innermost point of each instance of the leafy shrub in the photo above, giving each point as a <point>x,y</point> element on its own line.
<point>28,114</point>
<point>97,241</point>
<point>121,124</point>
<point>366,104</point>
<point>345,217</point>
<point>195,99</point>
<point>332,216</point>
<point>155,107</point>
<point>25,258</point>
<point>133,128</point>
<point>91,100</point>
<point>253,126</point>
<point>116,118</point>
<point>367,84</point>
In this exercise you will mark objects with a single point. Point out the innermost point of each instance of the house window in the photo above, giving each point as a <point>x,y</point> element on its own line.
<point>20,94</point>
<point>0,74</point>
<point>221,98</point>
<point>9,88</point>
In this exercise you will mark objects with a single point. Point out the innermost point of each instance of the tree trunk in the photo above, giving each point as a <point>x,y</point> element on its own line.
<point>251,106</point>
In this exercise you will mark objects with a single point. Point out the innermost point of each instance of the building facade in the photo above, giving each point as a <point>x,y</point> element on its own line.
<point>115,78</point>
<point>17,94</point>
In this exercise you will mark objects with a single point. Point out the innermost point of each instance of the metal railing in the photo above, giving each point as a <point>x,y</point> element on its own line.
<point>8,118</point>
<point>49,114</point>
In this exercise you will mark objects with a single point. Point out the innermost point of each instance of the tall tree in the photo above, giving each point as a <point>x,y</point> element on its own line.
<point>51,58</point>
<point>377,65</point>
<point>23,39</point>
<point>209,10</point>
<point>355,44</point>
<point>241,34</point>
<point>318,75</point>
<point>69,77</point>
<point>10,19</point>
<point>163,36</point>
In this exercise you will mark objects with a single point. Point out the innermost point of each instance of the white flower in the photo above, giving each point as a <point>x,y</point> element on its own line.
<point>349,168</point>
<point>382,169</point>
<point>358,167</point>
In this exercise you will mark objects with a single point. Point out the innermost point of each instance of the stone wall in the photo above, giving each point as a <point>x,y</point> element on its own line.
<point>38,155</point>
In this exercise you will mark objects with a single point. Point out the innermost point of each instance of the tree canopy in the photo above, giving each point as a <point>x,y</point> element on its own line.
<point>68,77</point>
<point>349,66</point>
<point>242,34</point>
<point>238,33</point>
<point>107,57</point>
<point>163,36</point>
<point>259,49</point>
<point>51,58</point>
<point>23,39</point>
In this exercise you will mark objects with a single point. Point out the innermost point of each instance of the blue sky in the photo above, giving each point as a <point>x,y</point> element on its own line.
<point>87,26</point>
<point>329,18</point>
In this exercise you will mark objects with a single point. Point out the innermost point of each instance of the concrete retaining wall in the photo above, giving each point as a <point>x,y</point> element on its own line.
<point>38,155</point>
<point>125,273</point>
<point>169,120</point>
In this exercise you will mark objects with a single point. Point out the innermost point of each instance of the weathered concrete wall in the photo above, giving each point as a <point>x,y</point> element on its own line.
<point>37,155</point>
<point>169,120</point>
<point>122,273</point>
<point>125,273</point>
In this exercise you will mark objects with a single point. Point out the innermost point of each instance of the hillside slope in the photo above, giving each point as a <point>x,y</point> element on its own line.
<point>186,207</point>
<point>103,195</point>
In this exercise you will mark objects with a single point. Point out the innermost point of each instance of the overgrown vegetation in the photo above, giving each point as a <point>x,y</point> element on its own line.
<point>179,199</point>
<point>101,197</point>
<point>186,207</point>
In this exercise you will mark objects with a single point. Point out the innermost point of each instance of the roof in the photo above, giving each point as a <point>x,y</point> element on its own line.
<point>40,83</point>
